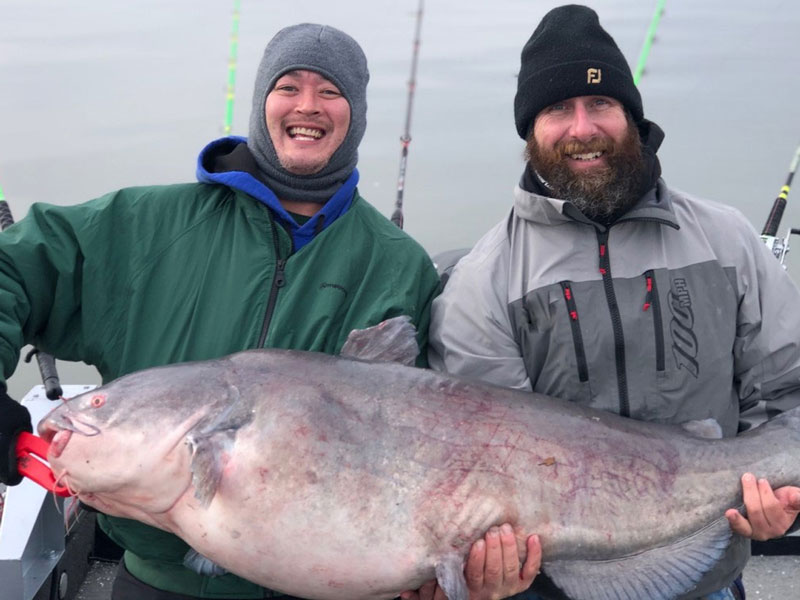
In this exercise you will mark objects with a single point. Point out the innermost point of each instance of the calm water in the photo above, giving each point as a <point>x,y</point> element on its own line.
<point>100,95</point>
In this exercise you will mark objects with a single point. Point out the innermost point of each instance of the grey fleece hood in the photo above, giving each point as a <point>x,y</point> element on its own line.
<point>337,57</point>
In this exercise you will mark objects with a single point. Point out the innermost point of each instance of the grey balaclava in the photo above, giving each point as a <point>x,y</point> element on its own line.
<point>337,57</point>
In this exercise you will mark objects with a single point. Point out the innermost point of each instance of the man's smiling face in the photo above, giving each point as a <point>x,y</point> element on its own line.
<point>307,120</point>
<point>587,149</point>
<point>582,129</point>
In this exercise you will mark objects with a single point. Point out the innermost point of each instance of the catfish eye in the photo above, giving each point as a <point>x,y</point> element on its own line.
<point>97,401</point>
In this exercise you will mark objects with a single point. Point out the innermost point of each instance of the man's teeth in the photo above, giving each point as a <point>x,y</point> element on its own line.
<point>587,156</point>
<point>305,132</point>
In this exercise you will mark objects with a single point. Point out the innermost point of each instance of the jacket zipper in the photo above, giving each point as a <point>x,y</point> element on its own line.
<point>616,323</point>
<point>278,281</point>
<point>651,301</point>
<point>577,338</point>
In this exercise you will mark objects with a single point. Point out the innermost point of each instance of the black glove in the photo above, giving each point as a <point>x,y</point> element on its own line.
<point>14,419</point>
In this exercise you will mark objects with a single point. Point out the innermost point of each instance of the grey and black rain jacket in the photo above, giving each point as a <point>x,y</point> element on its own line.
<point>676,312</point>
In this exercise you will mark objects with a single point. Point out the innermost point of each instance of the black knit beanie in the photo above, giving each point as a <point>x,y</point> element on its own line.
<point>339,59</point>
<point>568,55</point>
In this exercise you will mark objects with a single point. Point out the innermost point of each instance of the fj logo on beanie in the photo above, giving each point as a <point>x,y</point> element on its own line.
<point>594,75</point>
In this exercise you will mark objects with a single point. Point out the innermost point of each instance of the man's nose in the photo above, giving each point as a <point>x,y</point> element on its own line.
<point>307,101</point>
<point>582,126</point>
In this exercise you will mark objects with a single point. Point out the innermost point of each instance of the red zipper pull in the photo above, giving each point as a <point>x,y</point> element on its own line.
<point>573,314</point>
<point>649,296</point>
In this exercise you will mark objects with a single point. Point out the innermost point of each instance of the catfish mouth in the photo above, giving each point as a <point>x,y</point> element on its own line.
<point>57,430</point>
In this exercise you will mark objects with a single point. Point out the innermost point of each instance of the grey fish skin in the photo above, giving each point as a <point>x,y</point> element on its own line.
<point>333,478</point>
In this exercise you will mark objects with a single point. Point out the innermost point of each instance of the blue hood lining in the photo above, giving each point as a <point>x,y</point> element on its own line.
<point>243,181</point>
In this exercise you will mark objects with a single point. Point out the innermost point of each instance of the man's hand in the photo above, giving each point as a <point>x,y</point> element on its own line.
<point>493,568</point>
<point>769,513</point>
<point>14,419</point>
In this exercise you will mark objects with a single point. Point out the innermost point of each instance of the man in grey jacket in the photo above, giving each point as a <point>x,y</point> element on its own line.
<point>605,287</point>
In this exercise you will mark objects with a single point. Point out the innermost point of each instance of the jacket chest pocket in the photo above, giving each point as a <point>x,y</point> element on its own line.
<point>700,314</point>
<point>652,304</point>
<point>575,329</point>
<point>552,343</point>
<point>576,343</point>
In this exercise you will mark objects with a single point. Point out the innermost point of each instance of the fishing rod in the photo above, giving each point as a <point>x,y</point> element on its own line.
<point>405,140</point>
<point>46,362</point>
<point>233,54</point>
<point>780,245</point>
<point>648,41</point>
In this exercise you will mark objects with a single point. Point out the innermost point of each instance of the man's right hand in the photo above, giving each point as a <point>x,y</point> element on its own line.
<point>14,419</point>
<point>493,568</point>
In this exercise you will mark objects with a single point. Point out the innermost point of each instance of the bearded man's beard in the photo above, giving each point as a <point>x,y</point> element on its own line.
<point>599,193</point>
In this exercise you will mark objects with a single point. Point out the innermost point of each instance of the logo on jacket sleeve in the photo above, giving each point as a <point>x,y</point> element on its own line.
<point>681,327</point>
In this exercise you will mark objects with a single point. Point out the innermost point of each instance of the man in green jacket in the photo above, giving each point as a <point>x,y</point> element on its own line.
<point>274,247</point>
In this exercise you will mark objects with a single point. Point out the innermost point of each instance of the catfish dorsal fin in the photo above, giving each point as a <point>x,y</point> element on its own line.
<point>392,340</point>
<point>661,573</point>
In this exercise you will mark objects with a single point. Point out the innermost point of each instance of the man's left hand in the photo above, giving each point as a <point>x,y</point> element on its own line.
<point>770,512</point>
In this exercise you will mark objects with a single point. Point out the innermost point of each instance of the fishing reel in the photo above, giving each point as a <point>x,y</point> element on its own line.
<point>779,246</point>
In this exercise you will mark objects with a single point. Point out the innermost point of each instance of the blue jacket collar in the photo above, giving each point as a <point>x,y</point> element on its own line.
<point>246,182</point>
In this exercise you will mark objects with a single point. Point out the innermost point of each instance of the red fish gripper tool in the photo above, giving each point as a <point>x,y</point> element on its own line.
<point>31,453</point>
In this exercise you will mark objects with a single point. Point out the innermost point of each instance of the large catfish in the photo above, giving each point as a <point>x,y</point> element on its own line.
<point>339,478</point>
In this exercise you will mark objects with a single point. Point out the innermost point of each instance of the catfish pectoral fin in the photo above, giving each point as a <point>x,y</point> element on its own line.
<point>450,577</point>
<point>200,564</point>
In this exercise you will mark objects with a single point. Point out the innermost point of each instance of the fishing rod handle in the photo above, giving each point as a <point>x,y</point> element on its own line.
<point>47,367</point>
<point>49,373</point>
<point>397,218</point>
<point>775,216</point>
<point>6,218</point>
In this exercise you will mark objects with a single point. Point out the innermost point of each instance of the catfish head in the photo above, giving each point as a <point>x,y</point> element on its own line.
<point>122,447</point>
